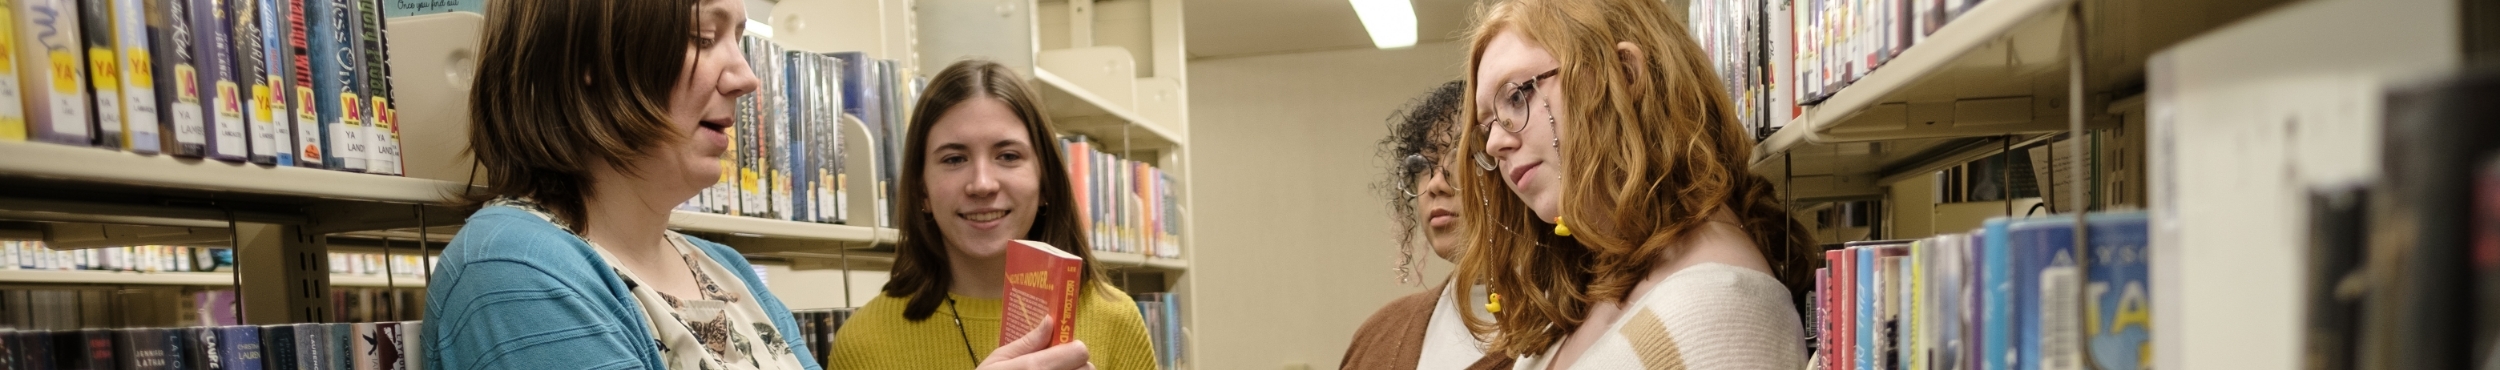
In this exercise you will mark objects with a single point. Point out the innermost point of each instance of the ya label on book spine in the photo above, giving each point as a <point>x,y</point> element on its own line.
<point>104,71</point>
<point>138,78</point>
<point>310,134</point>
<point>178,98</point>
<point>251,82</point>
<point>215,76</point>
<point>48,40</point>
<point>12,110</point>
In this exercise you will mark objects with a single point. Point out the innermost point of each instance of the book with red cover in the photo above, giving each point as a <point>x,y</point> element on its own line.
<point>1042,284</point>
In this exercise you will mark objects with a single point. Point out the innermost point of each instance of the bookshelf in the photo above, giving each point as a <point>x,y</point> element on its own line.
<point>1996,73</point>
<point>183,278</point>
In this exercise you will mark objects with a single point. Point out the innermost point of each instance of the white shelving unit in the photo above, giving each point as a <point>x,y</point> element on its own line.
<point>181,278</point>
<point>1998,71</point>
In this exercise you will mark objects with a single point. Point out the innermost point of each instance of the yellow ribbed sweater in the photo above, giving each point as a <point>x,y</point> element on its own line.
<point>877,337</point>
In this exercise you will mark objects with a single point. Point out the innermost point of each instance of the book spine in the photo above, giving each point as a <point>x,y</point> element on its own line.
<point>1997,298</point>
<point>343,339</point>
<point>277,347</point>
<point>270,95</point>
<point>2119,318</point>
<point>328,27</point>
<point>375,86</point>
<point>251,80</point>
<point>179,347</point>
<point>48,36</point>
<point>1915,305</point>
<point>12,108</point>
<point>138,81</point>
<point>40,349</point>
<point>178,107</point>
<point>95,20</point>
<point>311,133</point>
<point>97,352</point>
<point>412,345</point>
<point>212,47</point>
<point>312,346</point>
<point>363,347</point>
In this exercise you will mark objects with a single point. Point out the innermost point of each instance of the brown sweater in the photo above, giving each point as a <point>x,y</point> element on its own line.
<point>1393,338</point>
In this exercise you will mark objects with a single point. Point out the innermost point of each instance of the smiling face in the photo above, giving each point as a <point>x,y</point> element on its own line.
<point>701,104</point>
<point>984,180</point>
<point>1527,161</point>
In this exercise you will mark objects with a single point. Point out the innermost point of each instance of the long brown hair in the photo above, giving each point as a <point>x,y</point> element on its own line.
<point>921,272</point>
<point>1654,150</point>
<point>565,84</point>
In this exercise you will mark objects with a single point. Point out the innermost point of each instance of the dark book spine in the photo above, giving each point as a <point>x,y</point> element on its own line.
<point>95,20</point>
<point>375,87</point>
<point>212,46</point>
<point>96,350</point>
<point>177,344</point>
<point>177,94</point>
<point>12,349</point>
<point>241,349</point>
<point>37,350</point>
<point>335,48</point>
<point>309,131</point>
<point>204,346</point>
<point>277,347</point>
<point>251,80</point>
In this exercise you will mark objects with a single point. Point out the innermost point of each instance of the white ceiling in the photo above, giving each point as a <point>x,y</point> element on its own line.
<point>1234,28</point>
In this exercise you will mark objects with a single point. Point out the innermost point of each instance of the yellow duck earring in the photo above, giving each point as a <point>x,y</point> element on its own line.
<point>1493,302</point>
<point>1559,229</point>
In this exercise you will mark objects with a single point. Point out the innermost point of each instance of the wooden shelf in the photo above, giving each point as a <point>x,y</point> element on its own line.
<point>1998,70</point>
<point>177,278</point>
<point>1077,110</point>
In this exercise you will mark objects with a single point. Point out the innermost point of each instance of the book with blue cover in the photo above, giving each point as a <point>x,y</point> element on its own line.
<point>331,31</point>
<point>141,132</point>
<point>312,347</point>
<point>239,347</point>
<point>2048,284</point>
<point>179,349</point>
<point>1996,327</point>
<point>2118,290</point>
<point>342,346</point>
<point>1871,325</point>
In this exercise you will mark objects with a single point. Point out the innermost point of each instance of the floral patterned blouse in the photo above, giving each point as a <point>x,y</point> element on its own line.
<point>721,329</point>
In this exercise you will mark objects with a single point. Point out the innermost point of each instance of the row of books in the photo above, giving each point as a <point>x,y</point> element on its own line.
<point>204,78</point>
<point>787,154</point>
<point>34,255</point>
<point>818,326</point>
<point>2015,294</point>
<point>383,345</point>
<point>1774,57</point>
<point>1163,325</point>
<point>84,307</point>
<point>1129,205</point>
<point>375,264</point>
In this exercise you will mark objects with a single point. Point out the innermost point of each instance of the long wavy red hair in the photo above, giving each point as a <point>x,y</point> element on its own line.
<point>1652,149</point>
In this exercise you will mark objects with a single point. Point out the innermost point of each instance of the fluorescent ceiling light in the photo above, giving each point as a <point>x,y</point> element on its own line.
<point>1391,22</point>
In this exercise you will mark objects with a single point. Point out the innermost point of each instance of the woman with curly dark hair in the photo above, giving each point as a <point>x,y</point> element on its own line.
<point>1422,330</point>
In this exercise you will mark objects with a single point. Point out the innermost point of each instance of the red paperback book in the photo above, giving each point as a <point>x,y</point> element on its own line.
<point>1042,284</point>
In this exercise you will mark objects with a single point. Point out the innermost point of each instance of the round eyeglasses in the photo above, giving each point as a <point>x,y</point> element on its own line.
<point>1420,169</point>
<point>1516,100</point>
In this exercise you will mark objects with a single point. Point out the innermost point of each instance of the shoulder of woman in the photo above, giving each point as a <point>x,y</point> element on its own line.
<point>507,235</point>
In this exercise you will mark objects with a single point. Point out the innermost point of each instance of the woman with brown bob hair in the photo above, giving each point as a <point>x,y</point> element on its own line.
<point>591,121</point>
<point>1612,216</point>
<point>981,169</point>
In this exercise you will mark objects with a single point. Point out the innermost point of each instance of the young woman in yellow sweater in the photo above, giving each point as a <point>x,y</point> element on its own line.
<point>980,168</point>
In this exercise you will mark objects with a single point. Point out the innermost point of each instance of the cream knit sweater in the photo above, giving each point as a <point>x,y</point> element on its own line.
<point>1709,316</point>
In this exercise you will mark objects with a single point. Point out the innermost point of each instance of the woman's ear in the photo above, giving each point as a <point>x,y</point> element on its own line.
<point>1635,65</point>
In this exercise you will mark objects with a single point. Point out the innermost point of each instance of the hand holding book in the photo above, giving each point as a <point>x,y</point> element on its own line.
<point>1026,352</point>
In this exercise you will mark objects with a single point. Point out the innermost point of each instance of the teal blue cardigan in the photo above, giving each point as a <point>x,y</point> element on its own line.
<point>516,292</point>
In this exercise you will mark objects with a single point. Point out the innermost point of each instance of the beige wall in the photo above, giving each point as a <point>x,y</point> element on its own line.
<point>1294,249</point>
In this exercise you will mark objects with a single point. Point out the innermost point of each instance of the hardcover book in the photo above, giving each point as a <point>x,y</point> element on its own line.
<point>54,73</point>
<point>1043,286</point>
<point>95,20</point>
<point>229,138</point>
<point>12,109</point>
<point>311,133</point>
<point>2117,290</point>
<point>178,95</point>
<point>240,347</point>
<point>277,347</point>
<point>141,132</point>
<point>251,81</point>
